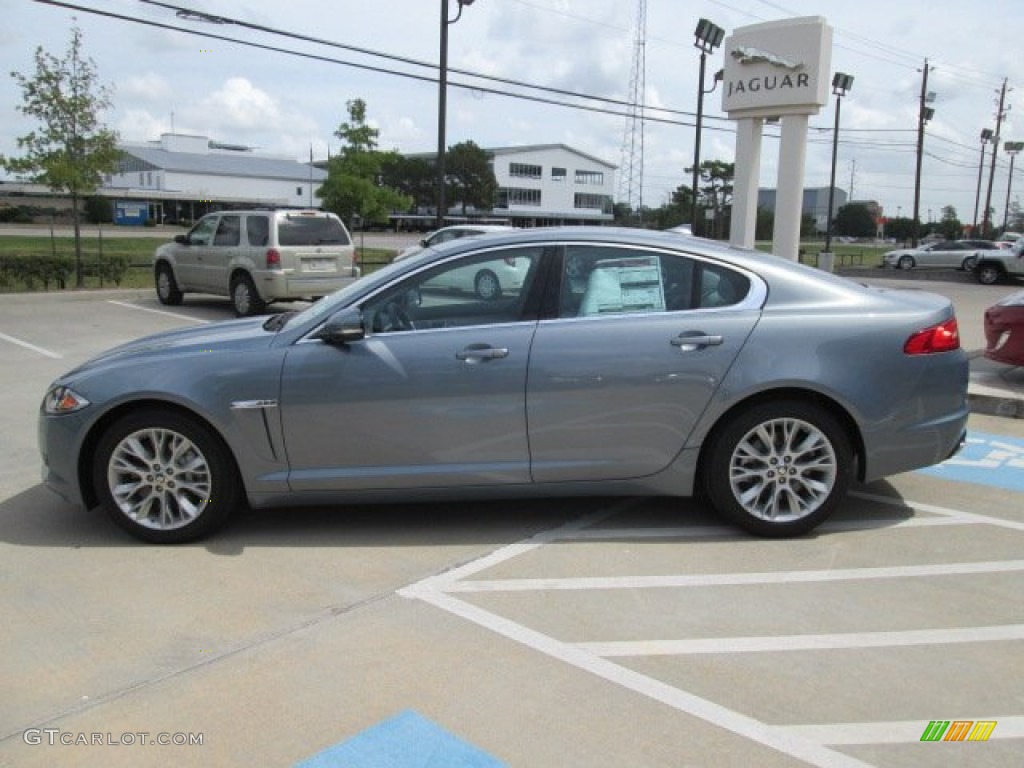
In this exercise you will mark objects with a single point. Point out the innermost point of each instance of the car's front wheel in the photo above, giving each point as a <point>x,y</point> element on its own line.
<point>245,298</point>
<point>164,477</point>
<point>906,262</point>
<point>779,468</point>
<point>167,290</point>
<point>969,263</point>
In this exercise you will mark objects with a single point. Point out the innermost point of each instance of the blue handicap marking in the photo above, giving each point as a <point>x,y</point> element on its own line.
<point>407,740</point>
<point>985,459</point>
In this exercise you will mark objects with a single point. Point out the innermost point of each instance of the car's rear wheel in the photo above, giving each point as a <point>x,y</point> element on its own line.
<point>487,285</point>
<point>906,262</point>
<point>245,297</point>
<point>164,477</point>
<point>167,290</point>
<point>779,468</point>
<point>988,274</point>
<point>969,263</point>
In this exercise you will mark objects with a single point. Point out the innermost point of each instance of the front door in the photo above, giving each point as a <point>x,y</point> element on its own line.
<point>434,396</point>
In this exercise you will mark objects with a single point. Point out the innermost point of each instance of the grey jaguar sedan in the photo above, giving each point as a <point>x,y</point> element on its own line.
<point>624,362</point>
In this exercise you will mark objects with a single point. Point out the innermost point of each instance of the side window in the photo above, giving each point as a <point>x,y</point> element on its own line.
<point>257,230</point>
<point>480,289</point>
<point>228,231</point>
<point>600,280</point>
<point>202,233</point>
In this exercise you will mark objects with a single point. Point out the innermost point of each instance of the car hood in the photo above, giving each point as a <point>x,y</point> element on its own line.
<point>228,336</point>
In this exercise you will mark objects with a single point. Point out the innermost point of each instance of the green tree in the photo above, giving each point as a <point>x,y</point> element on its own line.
<point>949,225</point>
<point>855,220</point>
<point>71,149</point>
<point>414,177</point>
<point>470,177</point>
<point>716,194</point>
<point>354,186</point>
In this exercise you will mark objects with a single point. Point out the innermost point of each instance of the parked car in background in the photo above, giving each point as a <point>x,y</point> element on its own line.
<point>628,362</point>
<point>951,254</point>
<point>1004,330</point>
<point>257,257</point>
<point>1002,264</point>
<point>454,232</point>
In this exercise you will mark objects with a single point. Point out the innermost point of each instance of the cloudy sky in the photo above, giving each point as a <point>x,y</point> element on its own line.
<point>282,94</point>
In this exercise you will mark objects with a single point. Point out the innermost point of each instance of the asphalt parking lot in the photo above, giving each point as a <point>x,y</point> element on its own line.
<point>601,632</point>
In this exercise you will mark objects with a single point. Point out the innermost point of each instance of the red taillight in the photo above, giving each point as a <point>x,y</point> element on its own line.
<point>944,337</point>
<point>273,258</point>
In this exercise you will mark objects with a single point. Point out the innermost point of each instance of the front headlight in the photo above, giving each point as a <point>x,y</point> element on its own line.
<point>61,399</point>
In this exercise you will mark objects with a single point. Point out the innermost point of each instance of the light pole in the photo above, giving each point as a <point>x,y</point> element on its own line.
<point>841,83</point>
<point>708,36</point>
<point>1011,148</point>
<point>442,105</point>
<point>986,226</point>
<point>986,137</point>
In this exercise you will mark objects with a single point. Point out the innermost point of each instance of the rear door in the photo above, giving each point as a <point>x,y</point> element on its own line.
<point>637,349</point>
<point>216,258</point>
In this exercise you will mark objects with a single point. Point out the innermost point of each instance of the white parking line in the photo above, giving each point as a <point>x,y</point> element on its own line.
<point>33,347</point>
<point>793,745</point>
<point>944,511</point>
<point>157,311</point>
<point>809,743</point>
<point>677,581</point>
<point>805,642</point>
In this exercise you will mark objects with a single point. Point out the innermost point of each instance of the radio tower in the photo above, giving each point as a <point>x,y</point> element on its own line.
<point>631,169</point>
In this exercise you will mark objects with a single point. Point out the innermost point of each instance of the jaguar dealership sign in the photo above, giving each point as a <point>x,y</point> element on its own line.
<point>779,67</point>
<point>778,70</point>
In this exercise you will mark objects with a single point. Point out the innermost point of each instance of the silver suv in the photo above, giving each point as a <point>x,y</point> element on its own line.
<point>257,257</point>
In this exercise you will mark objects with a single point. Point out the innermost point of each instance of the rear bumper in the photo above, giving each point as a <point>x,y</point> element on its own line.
<point>287,285</point>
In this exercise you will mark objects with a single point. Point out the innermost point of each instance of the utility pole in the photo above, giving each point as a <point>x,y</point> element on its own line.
<point>921,120</point>
<point>986,226</point>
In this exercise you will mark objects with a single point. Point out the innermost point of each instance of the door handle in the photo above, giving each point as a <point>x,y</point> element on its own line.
<point>478,353</point>
<point>689,341</point>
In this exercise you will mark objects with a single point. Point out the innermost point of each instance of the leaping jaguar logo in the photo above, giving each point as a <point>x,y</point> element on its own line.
<point>754,56</point>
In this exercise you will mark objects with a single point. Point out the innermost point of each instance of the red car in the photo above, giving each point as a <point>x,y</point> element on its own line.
<point>1004,330</point>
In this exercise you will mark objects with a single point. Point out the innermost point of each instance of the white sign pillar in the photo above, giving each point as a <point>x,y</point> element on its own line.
<point>779,69</point>
<point>789,194</point>
<point>745,182</point>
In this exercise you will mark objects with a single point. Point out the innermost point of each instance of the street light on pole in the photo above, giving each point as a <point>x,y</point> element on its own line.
<point>1011,148</point>
<point>986,137</point>
<point>841,84</point>
<point>442,104</point>
<point>708,36</point>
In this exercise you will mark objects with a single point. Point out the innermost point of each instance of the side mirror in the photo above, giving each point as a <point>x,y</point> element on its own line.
<point>181,239</point>
<point>343,328</point>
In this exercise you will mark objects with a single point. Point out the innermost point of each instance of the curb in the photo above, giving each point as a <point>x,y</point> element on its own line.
<point>994,405</point>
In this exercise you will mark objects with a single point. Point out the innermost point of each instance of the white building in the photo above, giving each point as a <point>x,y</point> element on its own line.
<point>545,184</point>
<point>180,176</point>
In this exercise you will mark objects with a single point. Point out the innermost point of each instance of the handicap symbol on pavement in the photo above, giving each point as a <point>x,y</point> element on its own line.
<point>985,459</point>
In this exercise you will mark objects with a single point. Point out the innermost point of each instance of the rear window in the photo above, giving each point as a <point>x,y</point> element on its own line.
<point>311,230</point>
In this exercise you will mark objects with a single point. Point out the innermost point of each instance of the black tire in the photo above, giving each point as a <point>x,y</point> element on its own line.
<point>486,285</point>
<point>771,487</point>
<point>988,274</point>
<point>969,263</point>
<point>245,298</point>
<point>164,477</point>
<point>167,290</point>
<point>906,262</point>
